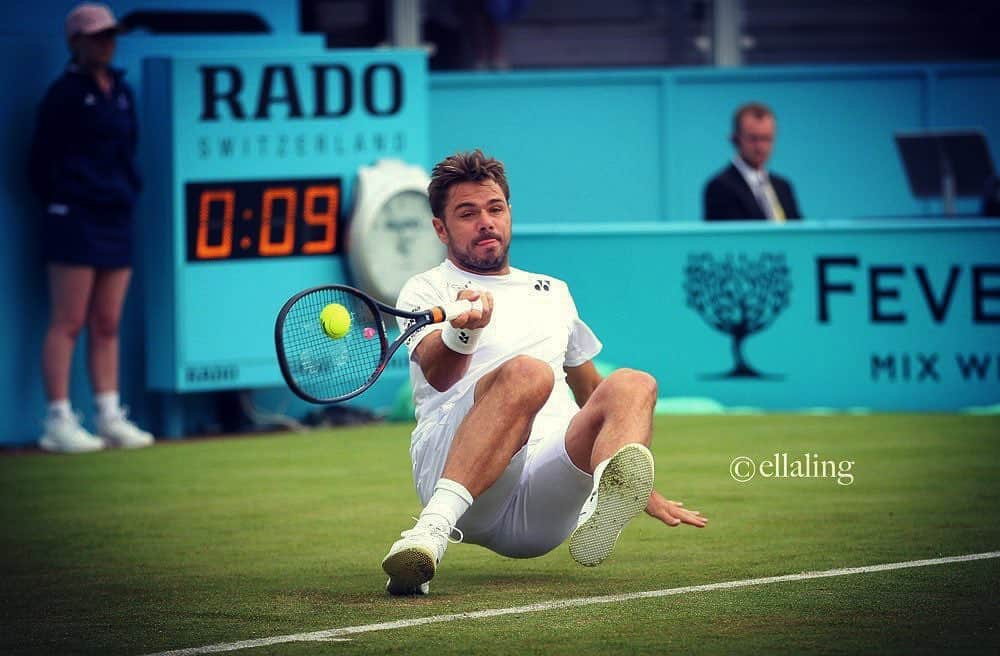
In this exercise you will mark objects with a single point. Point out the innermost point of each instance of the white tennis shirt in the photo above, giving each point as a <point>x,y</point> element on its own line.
<point>533,315</point>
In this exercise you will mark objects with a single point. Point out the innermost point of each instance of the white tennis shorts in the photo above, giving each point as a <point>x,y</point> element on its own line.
<point>534,505</point>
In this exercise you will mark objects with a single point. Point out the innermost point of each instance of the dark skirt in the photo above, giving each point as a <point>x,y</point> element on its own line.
<point>99,238</point>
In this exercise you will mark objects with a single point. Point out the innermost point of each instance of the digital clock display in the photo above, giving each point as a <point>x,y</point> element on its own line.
<point>261,218</point>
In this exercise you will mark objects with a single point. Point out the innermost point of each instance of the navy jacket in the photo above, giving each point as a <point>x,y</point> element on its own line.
<point>83,151</point>
<point>729,197</point>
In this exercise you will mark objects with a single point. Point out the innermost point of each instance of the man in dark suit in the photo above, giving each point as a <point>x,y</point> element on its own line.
<point>746,190</point>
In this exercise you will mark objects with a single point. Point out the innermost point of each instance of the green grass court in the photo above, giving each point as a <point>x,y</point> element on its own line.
<point>202,542</point>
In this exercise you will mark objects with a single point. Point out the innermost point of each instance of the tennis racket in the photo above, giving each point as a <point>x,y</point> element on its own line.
<point>323,369</point>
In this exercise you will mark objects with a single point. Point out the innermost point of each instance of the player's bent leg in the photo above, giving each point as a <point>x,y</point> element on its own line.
<point>619,412</point>
<point>544,510</point>
<point>492,432</point>
<point>506,402</point>
<point>609,437</point>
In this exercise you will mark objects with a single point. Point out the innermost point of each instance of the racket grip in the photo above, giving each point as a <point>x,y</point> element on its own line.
<point>451,310</point>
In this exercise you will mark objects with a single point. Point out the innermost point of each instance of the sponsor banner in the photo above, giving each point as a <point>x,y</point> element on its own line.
<point>902,316</point>
<point>251,161</point>
<point>321,115</point>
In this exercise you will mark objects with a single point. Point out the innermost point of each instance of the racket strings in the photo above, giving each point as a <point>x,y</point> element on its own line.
<point>324,367</point>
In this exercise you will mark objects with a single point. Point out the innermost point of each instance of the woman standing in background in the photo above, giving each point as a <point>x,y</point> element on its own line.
<point>83,168</point>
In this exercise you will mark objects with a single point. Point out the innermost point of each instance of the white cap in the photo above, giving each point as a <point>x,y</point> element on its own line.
<point>89,18</point>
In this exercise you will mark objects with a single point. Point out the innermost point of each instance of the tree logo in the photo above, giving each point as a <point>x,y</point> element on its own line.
<point>738,296</point>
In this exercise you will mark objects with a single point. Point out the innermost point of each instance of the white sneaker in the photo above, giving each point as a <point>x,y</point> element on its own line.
<point>622,486</point>
<point>120,432</point>
<point>413,559</point>
<point>66,435</point>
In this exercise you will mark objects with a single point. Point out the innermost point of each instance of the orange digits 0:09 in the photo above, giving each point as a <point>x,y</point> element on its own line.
<point>313,198</point>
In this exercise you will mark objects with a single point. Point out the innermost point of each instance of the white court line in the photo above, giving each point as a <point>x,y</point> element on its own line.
<point>332,635</point>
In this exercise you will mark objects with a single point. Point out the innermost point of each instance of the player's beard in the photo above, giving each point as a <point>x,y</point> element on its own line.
<point>486,264</point>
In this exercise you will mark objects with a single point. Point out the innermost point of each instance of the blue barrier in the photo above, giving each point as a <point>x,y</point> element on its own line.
<point>588,151</point>
<point>841,314</point>
<point>598,146</point>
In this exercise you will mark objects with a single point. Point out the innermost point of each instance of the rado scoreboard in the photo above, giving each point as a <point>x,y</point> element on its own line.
<point>250,163</point>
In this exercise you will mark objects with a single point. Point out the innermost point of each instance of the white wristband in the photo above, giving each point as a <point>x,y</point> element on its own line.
<point>460,340</point>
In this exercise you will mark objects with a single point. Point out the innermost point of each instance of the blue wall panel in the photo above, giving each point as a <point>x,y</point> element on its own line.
<point>968,96</point>
<point>834,142</point>
<point>636,302</point>
<point>579,146</point>
<point>640,145</point>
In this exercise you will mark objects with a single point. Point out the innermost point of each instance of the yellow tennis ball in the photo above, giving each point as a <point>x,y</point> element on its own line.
<point>336,320</point>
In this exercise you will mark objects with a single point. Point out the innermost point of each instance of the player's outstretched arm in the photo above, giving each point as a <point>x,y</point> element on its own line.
<point>673,513</point>
<point>443,367</point>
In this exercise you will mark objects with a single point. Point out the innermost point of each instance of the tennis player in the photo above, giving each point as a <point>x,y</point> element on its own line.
<point>502,456</point>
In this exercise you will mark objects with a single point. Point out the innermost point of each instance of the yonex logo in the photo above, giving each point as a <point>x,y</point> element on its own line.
<point>542,285</point>
<point>463,337</point>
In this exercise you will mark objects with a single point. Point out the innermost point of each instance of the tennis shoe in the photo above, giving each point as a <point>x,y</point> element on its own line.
<point>413,560</point>
<point>622,485</point>
<point>118,431</point>
<point>66,435</point>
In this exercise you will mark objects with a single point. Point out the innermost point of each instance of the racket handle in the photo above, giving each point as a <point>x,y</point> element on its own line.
<point>451,310</point>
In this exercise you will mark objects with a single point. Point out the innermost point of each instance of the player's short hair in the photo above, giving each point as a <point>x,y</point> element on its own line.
<point>471,166</point>
<point>756,109</point>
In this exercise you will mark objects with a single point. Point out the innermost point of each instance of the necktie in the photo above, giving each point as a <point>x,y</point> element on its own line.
<point>775,211</point>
